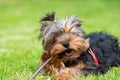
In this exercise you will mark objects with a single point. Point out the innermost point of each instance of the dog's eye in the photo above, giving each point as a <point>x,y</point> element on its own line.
<point>75,33</point>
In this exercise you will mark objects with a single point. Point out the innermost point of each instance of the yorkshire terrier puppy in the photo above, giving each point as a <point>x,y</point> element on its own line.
<point>75,53</point>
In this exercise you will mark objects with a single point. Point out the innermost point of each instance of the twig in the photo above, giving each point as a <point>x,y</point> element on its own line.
<point>39,69</point>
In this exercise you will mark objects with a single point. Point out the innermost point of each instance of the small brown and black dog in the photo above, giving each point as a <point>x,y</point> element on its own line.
<point>75,53</point>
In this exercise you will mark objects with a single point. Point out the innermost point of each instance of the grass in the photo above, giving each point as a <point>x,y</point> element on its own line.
<point>20,49</point>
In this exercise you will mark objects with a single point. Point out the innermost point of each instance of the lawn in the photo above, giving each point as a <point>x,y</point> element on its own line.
<point>20,48</point>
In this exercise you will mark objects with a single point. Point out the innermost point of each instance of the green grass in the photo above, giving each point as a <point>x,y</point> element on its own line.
<point>20,49</point>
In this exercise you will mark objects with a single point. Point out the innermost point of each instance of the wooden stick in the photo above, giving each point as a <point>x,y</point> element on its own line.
<point>40,68</point>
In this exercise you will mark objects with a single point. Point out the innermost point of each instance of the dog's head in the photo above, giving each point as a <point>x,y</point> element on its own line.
<point>64,37</point>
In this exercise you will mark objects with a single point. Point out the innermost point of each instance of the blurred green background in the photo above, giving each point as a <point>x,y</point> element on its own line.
<point>19,28</point>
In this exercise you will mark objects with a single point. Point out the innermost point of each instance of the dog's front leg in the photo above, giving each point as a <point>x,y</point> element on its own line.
<point>71,72</point>
<point>53,66</point>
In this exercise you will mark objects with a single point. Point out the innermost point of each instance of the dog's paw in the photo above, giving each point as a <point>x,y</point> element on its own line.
<point>64,74</point>
<point>45,56</point>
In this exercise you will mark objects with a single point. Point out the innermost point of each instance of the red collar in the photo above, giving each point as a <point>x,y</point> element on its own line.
<point>93,55</point>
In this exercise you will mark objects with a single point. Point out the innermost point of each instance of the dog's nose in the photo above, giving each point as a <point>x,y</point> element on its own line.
<point>66,44</point>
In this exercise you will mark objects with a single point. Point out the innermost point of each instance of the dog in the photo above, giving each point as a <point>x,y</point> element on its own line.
<point>75,53</point>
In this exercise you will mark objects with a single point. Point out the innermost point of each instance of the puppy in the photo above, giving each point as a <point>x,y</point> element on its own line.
<point>75,53</point>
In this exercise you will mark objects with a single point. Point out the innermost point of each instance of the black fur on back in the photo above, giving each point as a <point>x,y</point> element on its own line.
<point>107,50</point>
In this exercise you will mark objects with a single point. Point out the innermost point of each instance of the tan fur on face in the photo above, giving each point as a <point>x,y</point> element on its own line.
<point>77,44</point>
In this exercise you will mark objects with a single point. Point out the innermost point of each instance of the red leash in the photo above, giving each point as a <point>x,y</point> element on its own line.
<point>93,55</point>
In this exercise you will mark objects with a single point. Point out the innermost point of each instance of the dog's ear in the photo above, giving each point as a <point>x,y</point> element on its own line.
<point>75,21</point>
<point>48,17</point>
<point>45,22</point>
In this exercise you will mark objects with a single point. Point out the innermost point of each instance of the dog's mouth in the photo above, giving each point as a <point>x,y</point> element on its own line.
<point>68,52</point>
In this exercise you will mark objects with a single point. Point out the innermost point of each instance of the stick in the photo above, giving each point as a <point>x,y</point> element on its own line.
<point>40,68</point>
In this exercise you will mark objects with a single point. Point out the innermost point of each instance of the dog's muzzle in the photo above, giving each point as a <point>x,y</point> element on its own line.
<point>66,44</point>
